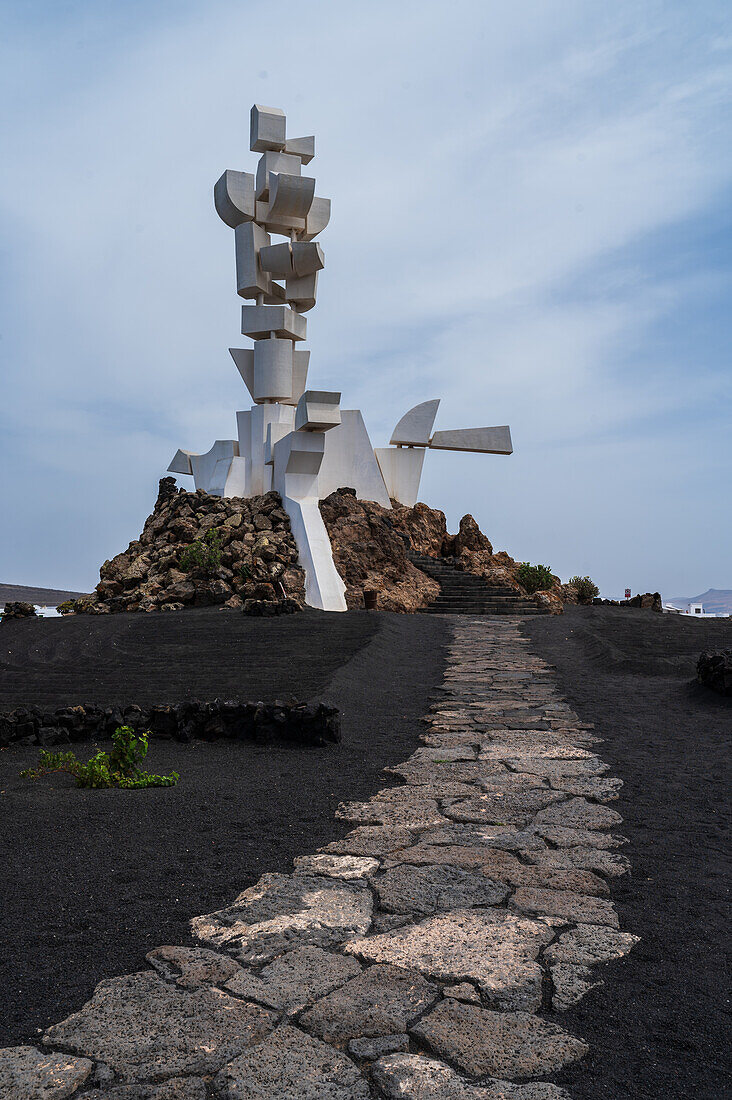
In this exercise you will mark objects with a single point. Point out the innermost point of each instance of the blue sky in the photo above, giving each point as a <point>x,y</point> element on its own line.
<point>530,220</point>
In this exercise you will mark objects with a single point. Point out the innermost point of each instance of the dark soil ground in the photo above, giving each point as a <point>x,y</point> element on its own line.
<point>658,1028</point>
<point>91,880</point>
<point>202,653</point>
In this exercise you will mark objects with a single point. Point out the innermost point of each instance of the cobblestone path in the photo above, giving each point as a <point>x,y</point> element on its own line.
<point>415,958</point>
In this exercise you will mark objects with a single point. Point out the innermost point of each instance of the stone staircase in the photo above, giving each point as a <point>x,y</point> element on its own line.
<point>465,594</point>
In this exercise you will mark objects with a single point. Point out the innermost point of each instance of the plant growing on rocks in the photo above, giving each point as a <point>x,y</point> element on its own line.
<point>585,588</point>
<point>120,768</point>
<point>534,578</point>
<point>203,554</point>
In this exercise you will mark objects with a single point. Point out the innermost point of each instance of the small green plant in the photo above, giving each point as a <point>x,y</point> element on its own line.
<point>204,554</point>
<point>119,768</point>
<point>245,572</point>
<point>585,587</point>
<point>534,578</point>
<point>66,606</point>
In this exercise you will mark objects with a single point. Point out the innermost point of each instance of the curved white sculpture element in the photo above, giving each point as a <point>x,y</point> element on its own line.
<point>317,218</point>
<point>277,260</point>
<point>273,162</point>
<point>234,197</point>
<point>307,257</point>
<point>290,196</point>
<point>302,292</point>
<point>415,426</point>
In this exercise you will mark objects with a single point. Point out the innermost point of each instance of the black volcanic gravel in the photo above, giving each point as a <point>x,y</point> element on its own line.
<point>658,1028</point>
<point>91,880</point>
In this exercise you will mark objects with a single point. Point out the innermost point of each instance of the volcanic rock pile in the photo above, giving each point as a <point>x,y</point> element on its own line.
<point>256,569</point>
<point>18,609</point>
<point>258,560</point>
<point>370,548</point>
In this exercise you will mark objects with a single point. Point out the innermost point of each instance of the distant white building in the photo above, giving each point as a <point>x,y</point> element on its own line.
<point>694,609</point>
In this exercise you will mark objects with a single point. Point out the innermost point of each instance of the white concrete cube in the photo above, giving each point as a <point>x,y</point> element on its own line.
<point>267,127</point>
<point>317,411</point>
<point>260,322</point>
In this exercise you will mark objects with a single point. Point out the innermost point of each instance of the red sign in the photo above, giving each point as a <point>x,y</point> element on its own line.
<point>627,593</point>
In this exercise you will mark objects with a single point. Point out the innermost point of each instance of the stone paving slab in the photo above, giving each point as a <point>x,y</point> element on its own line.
<point>416,955</point>
<point>145,1028</point>
<point>491,947</point>
<point>295,1066</point>
<point>28,1074</point>
<point>414,1077</point>
<point>503,1044</point>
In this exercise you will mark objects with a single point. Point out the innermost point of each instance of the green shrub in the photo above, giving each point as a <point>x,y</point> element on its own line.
<point>120,768</point>
<point>204,554</point>
<point>67,606</point>
<point>535,578</point>
<point>585,587</point>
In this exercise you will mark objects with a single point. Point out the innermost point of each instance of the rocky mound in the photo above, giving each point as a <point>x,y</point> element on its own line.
<point>18,609</point>
<point>371,544</point>
<point>196,549</point>
<point>243,555</point>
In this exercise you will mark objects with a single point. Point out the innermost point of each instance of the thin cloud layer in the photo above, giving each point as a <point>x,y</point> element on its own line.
<point>528,203</point>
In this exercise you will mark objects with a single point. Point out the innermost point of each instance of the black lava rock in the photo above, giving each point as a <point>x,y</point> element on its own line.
<point>714,670</point>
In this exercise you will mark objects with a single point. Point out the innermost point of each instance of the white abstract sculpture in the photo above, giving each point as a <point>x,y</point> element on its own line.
<point>299,441</point>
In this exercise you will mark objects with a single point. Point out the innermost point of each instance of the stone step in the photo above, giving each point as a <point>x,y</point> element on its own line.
<point>466,594</point>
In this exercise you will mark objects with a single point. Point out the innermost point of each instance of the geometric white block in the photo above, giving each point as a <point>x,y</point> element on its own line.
<point>244,360</point>
<point>297,459</point>
<point>317,411</point>
<point>401,468</point>
<point>181,463</point>
<point>301,292</point>
<point>303,147</point>
<point>260,321</point>
<point>272,370</point>
<point>250,279</point>
<point>492,441</point>
<point>283,223</point>
<point>349,460</point>
<point>210,469</point>
<point>274,162</point>
<point>290,196</point>
<point>234,197</point>
<point>277,259</point>
<point>266,128</point>
<point>252,426</point>
<point>300,363</point>
<point>317,219</point>
<point>307,258</point>
<point>415,426</point>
